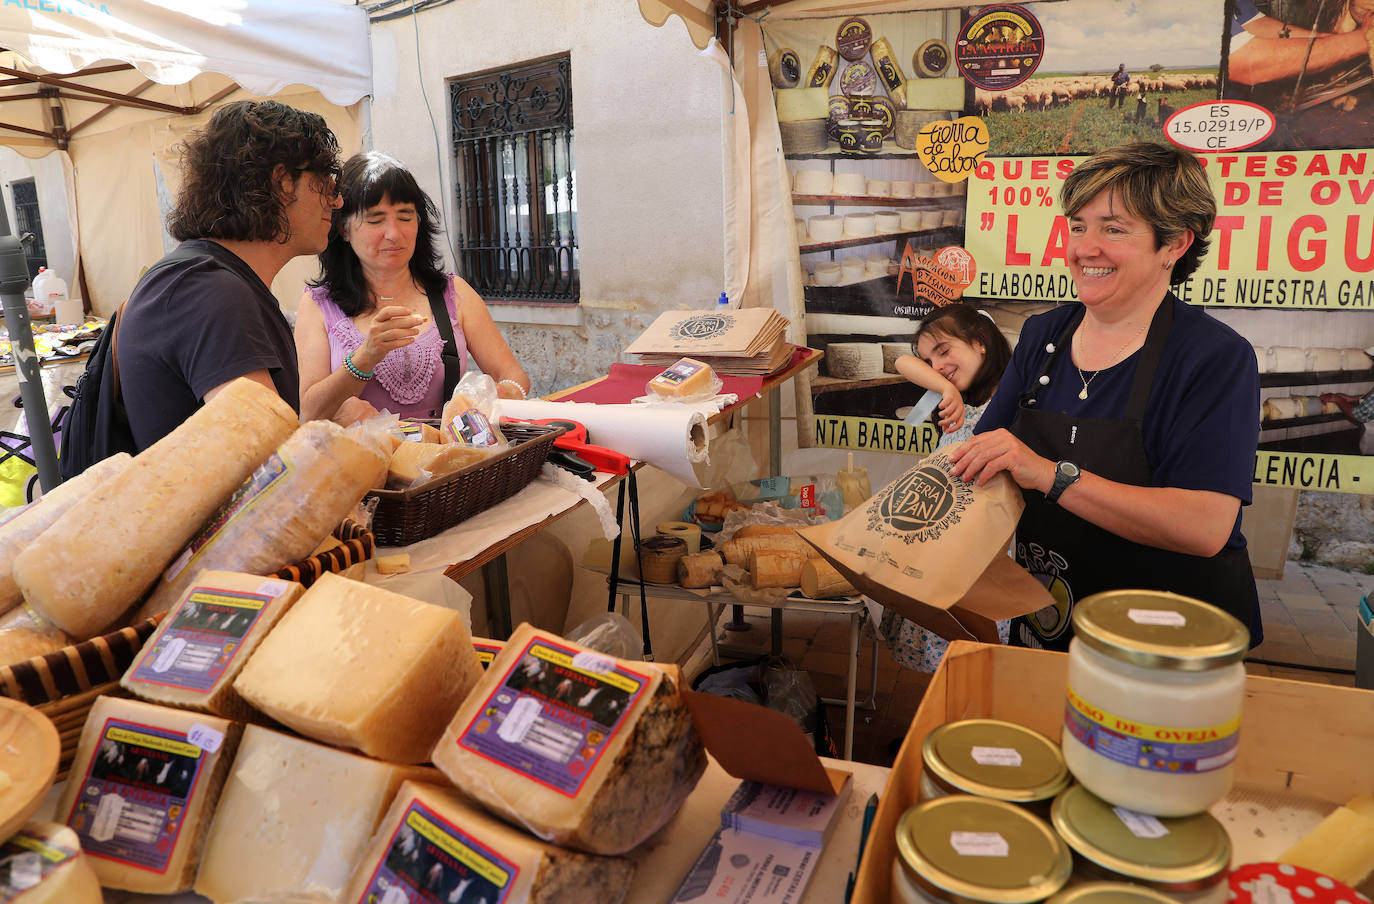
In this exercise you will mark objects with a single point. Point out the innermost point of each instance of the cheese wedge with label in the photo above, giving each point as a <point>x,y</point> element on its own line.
<point>431,843</point>
<point>435,459</point>
<point>486,650</point>
<point>199,649</point>
<point>584,750</point>
<point>43,864</point>
<point>418,432</point>
<point>295,816</point>
<point>283,510</point>
<point>142,789</point>
<point>686,379</point>
<point>94,562</point>
<point>358,666</point>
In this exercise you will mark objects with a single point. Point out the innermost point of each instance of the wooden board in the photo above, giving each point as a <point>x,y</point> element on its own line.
<point>29,748</point>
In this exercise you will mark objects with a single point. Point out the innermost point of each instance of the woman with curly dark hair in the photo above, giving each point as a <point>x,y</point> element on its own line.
<point>369,315</point>
<point>258,189</point>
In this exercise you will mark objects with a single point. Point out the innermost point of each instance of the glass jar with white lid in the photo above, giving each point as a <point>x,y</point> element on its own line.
<point>992,758</point>
<point>1152,716</point>
<point>1109,893</point>
<point>1186,858</point>
<point>961,849</point>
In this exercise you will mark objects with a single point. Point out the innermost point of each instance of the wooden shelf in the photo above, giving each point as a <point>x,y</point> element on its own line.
<point>875,239</point>
<point>835,384</point>
<point>870,200</point>
<point>890,151</point>
<point>1312,378</point>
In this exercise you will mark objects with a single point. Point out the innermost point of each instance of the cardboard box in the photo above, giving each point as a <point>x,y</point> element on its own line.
<point>1306,739</point>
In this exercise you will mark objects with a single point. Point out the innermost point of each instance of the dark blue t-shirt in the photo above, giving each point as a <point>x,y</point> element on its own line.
<point>1202,421</point>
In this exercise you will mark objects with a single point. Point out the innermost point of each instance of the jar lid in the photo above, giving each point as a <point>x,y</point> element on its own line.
<point>1158,630</point>
<point>981,849</point>
<point>1110,893</point>
<point>1155,849</point>
<point>992,758</point>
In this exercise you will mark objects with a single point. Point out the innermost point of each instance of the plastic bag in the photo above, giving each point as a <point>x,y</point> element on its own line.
<point>468,417</point>
<point>817,493</point>
<point>770,513</point>
<point>609,633</point>
<point>666,387</point>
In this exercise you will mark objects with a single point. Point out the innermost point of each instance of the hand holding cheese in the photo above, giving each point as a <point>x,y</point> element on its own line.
<point>584,750</point>
<point>358,666</point>
<point>95,561</point>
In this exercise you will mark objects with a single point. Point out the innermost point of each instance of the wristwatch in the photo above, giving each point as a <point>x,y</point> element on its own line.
<point>1065,473</point>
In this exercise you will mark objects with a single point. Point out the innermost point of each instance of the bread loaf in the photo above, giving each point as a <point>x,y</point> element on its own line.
<point>95,561</point>
<point>775,569</point>
<point>700,569</point>
<point>736,552</point>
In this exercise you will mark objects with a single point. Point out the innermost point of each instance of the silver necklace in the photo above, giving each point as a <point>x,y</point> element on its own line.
<point>1083,393</point>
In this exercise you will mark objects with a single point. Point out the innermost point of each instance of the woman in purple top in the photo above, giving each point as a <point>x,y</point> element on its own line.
<point>364,332</point>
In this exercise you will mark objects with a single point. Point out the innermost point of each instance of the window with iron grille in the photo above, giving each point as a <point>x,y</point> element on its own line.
<point>29,224</point>
<point>516,188</point>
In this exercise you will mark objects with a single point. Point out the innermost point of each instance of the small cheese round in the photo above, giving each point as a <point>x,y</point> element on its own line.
<point>852,268</point>
<point>812,182</point>
<point>858,224</point>
<point>825,228</point>
<point>909,220</point>
<point>887,221</point>
<point>879,188</point>
<point>827,273</point>
<point>850,183</point>
<point>903,188</point>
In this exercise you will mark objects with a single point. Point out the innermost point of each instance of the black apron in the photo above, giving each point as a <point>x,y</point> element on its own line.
<point>1074,558</point>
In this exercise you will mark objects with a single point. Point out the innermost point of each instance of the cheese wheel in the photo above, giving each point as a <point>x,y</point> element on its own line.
<point>583,750</point>
<point>854,360</point>
<point>812,182</point>
<point>858,224</point>
<point>908,125</point>
<point>851,268</point>
<point>1356,359</point>
<point>805,136</point>
<point>142,789</point>
<point>96,560</point>
<point>796,104</point>
<point>36,517</point>
<point>827,273</point>
<point>1288,359</point>
<point>357,666</point>
<point>886,221</point>
<point>413,461</point>
<point>931,219</point>
<point>431,839</point>
<point>908,220</point>
<point>282,512</point>
<point>850,184</point>
<point>784,68</point>
<point>876,265</point>
<point>1261,358</point>
<point>1324,359</point>
<point>942,94</point>
<point>197,651</point>
<point>951,217</point>
<point>295,817</point>
<point>822,68</point>
<point>50,855</point>
<point>879,188</point>
<point>903,188</point>
<point>925,189</point>
<point>1280,408</point>
<point>824,228</point>
<point>891,352</point>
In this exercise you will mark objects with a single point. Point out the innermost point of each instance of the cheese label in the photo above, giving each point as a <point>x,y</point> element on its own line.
<point>679,373</point>
<point>205,635</point>
<point>486,651</point>
<point>135,795</point>
<point>552,717</point>
<point>26,860</point>
<point>411,431</point>
<point>260,483</point>
<point>471,428</point>
<point>1154,748</point>
<point>430,859</point>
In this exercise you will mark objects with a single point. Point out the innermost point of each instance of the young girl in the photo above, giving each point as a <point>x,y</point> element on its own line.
<point>960,354</point>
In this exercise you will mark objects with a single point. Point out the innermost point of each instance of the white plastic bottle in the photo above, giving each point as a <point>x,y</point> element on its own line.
<point>42,304</point>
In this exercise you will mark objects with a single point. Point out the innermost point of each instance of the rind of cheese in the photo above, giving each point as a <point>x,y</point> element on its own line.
<point>198,650</point>
<point>1324,359</point>
<point>427,818</point>
<point>854,360</point>
<point>858,224</point>
<point>1288,359</point>
<point>39,515</point>
<point>850,183</point>
<point>886,221</point>
<point>827,273</point>
<point>687,378</point>
<point>812,182</point>
<point>824,227</point>
<point>1341,846</point>
<point>358,666</point>
<point>852,268</point>
<point>95,561</point>
<point>879,188</point>
<point>796,104</point>
<point>909,220</point>
<point>282,512</point>
<point>903,188</point>
<point>142,790</point>
<point>642,767</point>
<point>66,876</point>
<point>295,816</point>
<point>935,93</point>
<point>435,459</point>
<point>1356,359</point>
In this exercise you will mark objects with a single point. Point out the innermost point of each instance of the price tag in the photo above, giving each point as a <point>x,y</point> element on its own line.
<point>1165,617</point>
<point>591,661</point>
<point>168,655</point>
<point>1142,825</point>
<point>515,726</point>
<point>996,756</point>
<point>26,870</point>
<point>979,844</point>
<point>763,59</point>
<point>272,588</point>
<point>205,737</point>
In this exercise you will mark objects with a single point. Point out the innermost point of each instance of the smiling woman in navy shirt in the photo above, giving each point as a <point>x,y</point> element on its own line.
<point>1128,419</point>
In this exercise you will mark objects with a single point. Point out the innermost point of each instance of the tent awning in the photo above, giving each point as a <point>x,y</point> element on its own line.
<point>65,66</point>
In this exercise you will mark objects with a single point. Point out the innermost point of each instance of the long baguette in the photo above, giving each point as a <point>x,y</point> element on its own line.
<point>736,552</point>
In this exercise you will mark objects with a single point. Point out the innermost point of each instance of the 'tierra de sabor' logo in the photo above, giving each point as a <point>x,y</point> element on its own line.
<point>703,326</point>
<point>920,505</point>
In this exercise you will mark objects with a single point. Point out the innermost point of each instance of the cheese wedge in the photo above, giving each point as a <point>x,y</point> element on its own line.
<point>398,563</point>
<point>358,666</point>
<point>431,844</point>
<point>685,379</point>
<point>584,750</point>
<point>43,864</point>
<point>198,650</point>
<point>282,512</point>
<point>418,432</point>
<point>796,104</point>
<point>94,562</point>
<point>141,791</point>
<point>1341,846</point>
<point>38,516</point>
<point>436,459</point>
<point>295,816</point>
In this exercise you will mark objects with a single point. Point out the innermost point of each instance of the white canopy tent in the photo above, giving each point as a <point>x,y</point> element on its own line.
<point>113,85</point>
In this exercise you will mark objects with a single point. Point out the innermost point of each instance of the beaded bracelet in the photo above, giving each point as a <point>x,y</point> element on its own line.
<point>523,394</point>
<point>363,375</point>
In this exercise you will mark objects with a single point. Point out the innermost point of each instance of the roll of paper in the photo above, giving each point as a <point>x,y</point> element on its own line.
<point>690,534</point>
<point>670,437</point>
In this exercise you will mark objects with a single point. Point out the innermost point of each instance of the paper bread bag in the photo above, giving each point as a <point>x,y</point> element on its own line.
<point>933,548</point>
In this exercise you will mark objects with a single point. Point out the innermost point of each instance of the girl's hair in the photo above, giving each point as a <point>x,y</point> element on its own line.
<point>368,179</point>
<point>959,321</point>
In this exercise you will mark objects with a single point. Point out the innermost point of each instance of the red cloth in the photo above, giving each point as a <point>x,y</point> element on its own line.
<point>630,381</point>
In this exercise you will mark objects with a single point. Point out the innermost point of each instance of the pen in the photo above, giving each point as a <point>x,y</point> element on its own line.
<point>870,810</point>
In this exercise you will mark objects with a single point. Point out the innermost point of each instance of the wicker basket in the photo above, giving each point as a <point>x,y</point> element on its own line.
<point>407,516</point>
<point>63,685</point>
